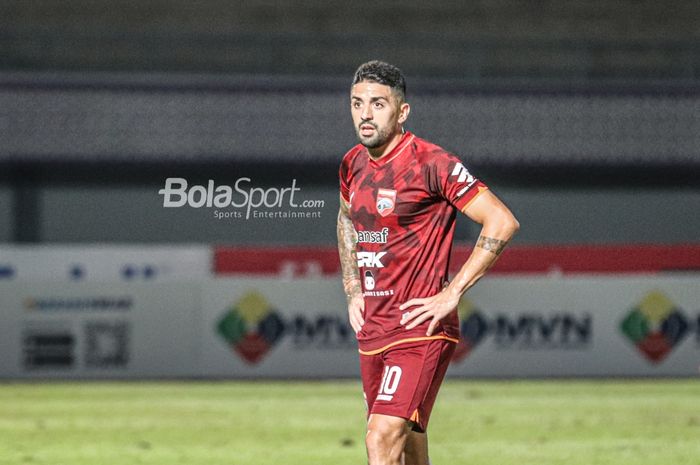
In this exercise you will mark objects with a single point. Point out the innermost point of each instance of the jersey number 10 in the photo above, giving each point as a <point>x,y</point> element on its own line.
<point>390,383</point>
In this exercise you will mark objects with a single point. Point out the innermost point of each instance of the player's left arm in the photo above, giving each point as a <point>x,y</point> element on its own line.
<point>498,227</point>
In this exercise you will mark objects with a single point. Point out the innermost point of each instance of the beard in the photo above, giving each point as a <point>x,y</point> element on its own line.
<point>379,138</point>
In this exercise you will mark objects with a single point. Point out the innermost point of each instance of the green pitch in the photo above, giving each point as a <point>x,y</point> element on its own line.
<point>306,423</point>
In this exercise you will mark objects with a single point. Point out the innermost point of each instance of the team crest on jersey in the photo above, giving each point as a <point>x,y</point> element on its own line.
<point>386,200</point>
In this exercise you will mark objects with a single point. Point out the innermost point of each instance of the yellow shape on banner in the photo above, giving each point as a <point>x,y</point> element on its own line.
<point>656,307</point>
<point>465,308</point>
<point>252,307</point>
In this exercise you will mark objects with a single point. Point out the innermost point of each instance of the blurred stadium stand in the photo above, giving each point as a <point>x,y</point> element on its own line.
<point>146,118</point>
<point>584,116</point>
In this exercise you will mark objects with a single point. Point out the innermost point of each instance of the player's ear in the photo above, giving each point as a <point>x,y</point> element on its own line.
<point>404,110</point>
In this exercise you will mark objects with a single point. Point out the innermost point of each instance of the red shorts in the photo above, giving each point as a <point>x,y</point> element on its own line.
<point>403,381</point>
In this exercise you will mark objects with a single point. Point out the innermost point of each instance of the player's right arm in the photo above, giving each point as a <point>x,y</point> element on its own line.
<point>347,248</point>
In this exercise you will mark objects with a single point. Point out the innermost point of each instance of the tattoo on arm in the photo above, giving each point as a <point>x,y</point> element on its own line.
<point>494,246</point>
<point>347,242</point>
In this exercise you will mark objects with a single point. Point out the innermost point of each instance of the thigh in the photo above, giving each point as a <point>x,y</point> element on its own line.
<point>371,370</point>
<point>411,376</point>
<point>437,366</point>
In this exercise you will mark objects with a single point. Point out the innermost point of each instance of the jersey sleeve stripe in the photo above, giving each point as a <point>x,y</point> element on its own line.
<point>481,190</point>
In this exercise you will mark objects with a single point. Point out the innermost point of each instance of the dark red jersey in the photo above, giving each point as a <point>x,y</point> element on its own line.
<point>403,207</point>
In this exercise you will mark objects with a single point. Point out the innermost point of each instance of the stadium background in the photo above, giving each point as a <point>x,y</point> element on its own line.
<point>583,116</point>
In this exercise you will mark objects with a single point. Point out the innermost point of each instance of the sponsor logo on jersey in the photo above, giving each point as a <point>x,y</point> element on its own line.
<point>370,284</point>
<point>370,259</point>
<point>386,200</point>
<point>369,280</point>
<point>373,237</point>
<point>378,293</point>
<point>463,176</point>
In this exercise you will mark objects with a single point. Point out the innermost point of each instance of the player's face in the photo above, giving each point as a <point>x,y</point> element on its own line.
<point>377,113</point>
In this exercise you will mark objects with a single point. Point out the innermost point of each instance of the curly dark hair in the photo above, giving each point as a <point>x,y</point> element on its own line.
<point>382,73</point>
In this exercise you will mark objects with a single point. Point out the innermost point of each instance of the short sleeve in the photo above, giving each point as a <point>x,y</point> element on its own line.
<point>344,181</point>
<point>345,174</point>
<point>457,185</point>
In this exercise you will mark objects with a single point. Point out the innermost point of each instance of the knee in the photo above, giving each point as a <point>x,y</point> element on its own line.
<point>378,440</point>
<point>384,439</point>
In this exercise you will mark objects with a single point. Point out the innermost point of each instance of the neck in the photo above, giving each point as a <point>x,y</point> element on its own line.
<point>379,152</point>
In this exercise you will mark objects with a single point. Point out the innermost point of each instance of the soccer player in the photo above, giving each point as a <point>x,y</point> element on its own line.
<point>399,195</point>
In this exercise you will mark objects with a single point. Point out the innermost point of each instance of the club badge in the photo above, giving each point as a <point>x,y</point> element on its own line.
<point>386,200</point>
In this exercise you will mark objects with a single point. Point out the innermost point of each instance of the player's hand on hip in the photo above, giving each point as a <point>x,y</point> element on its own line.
<point>356,312</point>
<point>435,307</point>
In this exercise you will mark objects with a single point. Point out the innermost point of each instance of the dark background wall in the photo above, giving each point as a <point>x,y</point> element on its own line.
<point>483,39</point>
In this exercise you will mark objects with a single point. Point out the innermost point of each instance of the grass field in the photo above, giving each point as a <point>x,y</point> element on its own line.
<point>295,423</point>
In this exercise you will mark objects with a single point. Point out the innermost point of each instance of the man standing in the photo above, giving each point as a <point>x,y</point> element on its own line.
<point>399,195</point>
